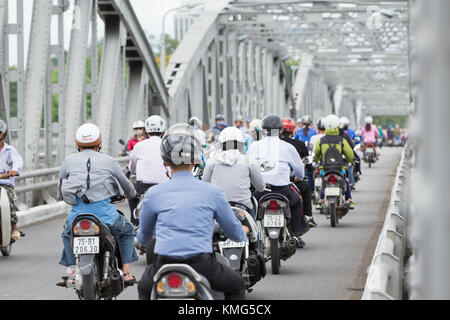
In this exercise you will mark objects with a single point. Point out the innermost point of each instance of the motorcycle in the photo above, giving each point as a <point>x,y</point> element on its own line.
<point>178,281</point>
<point>370,154</point>
<point>5,220</point>
<point>334,186</point>
<point>273,209</point>
<point>98,273</point>
<point>244,257</point>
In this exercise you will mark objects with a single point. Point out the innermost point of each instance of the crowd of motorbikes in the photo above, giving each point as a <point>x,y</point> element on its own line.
<point>98,265</point>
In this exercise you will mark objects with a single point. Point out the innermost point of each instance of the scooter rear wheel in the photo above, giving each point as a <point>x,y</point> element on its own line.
<point>275,256</point>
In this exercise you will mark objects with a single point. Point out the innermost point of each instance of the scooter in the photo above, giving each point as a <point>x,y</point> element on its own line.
<point>5,220</point>
<point>244,257</point>
<point>334,187</point>
<point>98,273</point>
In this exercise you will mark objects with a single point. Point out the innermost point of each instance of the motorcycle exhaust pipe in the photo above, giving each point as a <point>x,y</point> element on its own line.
<point>292,243</point>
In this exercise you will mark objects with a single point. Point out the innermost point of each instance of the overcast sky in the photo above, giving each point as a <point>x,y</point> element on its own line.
<point>149,13</point>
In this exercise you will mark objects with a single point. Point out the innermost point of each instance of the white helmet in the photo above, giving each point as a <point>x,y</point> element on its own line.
<point>256,125</point>
<point>332,122</point>
<point>231,134</point>
<point>369,120</point>
<point>194,120</point>
<point>155,124</point>
<point>344,122</point>
<point>88,135</point>
<point>138,125</point>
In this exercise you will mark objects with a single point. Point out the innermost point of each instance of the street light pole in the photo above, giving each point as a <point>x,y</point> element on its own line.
<point>163,37</point>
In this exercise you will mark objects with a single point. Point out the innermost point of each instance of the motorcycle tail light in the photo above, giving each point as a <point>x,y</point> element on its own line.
<point>332,179</point>
<point>175,285</point>
<point>86,228</point>
<point>273,206</point>
<point>174,280</point>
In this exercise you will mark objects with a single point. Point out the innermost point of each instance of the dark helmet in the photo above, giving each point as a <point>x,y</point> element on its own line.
<point>180,145</point>
<point>220,117</point>
<point>272,123</point>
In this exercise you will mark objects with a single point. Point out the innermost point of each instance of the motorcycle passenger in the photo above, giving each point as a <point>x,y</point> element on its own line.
<point>139,135</point>
<point>306,132</point>
<point>181,214</point>
<point>194,122</point>
<point>333,139</point>
<point>256,133</point>
<point>344,122</point>
<point>321,133</point>
<point>146,161</point>
<point>287,135</point>
<point>231,170</point>
<point>10,162</point>
<point>87,181</point>
<point>285,158</point>
<point>369,135</point>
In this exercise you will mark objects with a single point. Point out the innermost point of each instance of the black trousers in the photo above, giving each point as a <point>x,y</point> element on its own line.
<point>141,188</point>
<point>298,222</point>
<point>221,278</point>
<point>306,193</point>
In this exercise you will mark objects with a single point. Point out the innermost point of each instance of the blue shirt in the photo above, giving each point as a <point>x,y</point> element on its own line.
<point>351,133</point>
<point>10,159</point>
<point>181,213</point>
<point>300,136</point>
<point>103,210</point>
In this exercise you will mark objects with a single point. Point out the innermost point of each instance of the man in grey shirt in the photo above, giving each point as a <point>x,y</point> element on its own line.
<point>231,170</point>
<point>87,181</point>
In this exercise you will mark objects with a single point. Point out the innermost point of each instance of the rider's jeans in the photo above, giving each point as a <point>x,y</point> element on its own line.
<point>351,176</point>
<point>123,232</point>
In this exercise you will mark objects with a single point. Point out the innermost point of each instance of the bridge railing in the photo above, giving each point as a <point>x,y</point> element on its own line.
<point>386,273</point>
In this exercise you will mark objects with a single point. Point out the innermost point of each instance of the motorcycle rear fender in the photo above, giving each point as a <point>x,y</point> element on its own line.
<point>86,263</point>
<point>273,233</point>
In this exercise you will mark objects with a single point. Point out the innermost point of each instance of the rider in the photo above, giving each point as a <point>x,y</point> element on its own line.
<point>10,162</point>
<point>321,127</point>
<point>369,134</point>
<point>332,138</point>
<point>139,135</point>
<point>306,132</point>
<point>285,157</point>
<point>87,181</point>
<point>345,123</point>
<point>181,213</point>
<point>220,125</point>
<point>194,122</point>
<point>239,123</point>
<point>146,161</point>
<point>232,171</point>
<point>305,190</point>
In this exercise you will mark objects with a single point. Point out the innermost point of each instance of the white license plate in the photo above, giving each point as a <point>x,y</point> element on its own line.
<point>273,221</point>
<point>333,192</point>
<point>318,182</point>
<point>86,245</point>
<point>231,244</point>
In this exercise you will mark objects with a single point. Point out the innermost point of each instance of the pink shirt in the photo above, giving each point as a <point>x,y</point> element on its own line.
<point>371,135</point>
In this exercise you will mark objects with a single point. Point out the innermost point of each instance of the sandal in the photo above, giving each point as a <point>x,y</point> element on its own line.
<point>63,282</point>
<point>129,283</point>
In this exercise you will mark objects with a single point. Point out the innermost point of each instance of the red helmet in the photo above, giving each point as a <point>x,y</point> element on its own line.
<point>288,126</point>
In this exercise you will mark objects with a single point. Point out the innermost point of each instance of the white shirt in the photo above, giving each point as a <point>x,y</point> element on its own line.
<point>283,154</point>
<point>146,162</point>
<point>316,139</point>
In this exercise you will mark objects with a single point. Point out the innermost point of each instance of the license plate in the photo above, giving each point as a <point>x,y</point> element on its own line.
<point>273,221</point>
<point>318,182</point>
<point>86,245</point>
<point>232,244</point>
<point>334,192</point>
